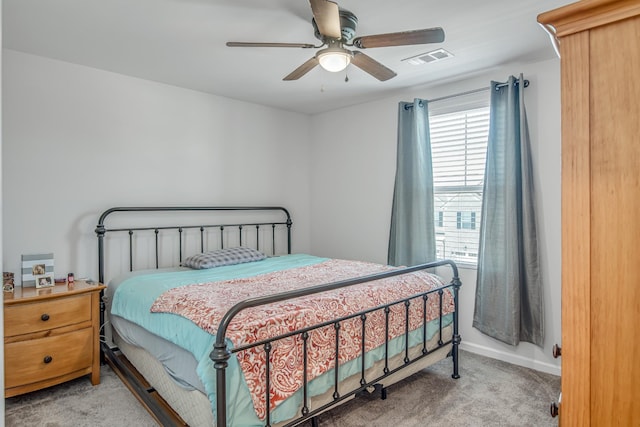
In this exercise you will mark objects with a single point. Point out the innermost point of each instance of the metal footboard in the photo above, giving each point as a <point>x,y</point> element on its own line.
<point>221,352</point>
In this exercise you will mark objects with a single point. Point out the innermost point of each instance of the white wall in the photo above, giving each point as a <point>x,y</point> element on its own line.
<point>352,179</point>
<point>79,140</point>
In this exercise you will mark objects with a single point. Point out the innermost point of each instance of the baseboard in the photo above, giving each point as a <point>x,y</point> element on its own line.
<point>510,358</point>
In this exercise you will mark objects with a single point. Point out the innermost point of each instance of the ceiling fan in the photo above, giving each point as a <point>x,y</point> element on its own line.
<point>335,28</point>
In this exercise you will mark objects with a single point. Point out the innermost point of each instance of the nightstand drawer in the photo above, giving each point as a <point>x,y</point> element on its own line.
<point>39,359</point>
<point>40,316</point>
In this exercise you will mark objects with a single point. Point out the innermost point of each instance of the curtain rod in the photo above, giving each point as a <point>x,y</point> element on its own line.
<point>469,92</point>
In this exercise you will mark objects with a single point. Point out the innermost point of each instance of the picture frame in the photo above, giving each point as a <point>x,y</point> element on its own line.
<point>35,265</point>
<point>44,280</point>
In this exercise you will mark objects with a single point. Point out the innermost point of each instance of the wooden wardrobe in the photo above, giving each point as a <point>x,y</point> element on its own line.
<point>599,46</point>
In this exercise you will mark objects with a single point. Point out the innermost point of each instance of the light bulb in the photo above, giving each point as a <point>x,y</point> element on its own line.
<point>334,59</point>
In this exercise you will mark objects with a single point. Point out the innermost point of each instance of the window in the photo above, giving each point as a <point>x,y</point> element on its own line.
<point>440,220</point>
<point>466,220</point>
<point>459,132</point>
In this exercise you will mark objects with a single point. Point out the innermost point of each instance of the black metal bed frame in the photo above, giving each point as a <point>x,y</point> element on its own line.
<point>221,352</point>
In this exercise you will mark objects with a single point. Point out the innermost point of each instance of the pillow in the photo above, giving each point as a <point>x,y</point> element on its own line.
<point>222,257</point>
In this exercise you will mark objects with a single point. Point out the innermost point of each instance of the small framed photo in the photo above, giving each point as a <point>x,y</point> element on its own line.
<point>44,280</point>
<point>38,269</point>
<point>35,265</point>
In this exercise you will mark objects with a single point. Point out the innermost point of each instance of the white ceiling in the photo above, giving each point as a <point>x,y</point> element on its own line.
<point>182,43</point>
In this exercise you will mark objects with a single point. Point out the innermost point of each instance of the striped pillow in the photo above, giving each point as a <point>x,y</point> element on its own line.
<point>222,257</point>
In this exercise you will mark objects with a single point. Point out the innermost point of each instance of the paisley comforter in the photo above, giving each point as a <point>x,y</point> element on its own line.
<point>204,304</point>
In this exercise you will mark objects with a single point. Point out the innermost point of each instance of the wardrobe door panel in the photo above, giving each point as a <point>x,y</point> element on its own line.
<point>576,190</point>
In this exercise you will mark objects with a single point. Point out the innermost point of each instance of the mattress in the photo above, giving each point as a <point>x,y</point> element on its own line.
<point>183,368</point>
<point>179,364</point>
<point>191,405</point>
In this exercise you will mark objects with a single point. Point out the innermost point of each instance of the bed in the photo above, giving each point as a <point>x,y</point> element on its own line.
<point>217,318</point>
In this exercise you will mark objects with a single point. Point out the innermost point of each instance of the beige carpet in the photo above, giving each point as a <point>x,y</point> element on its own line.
<point>77,404</point>
<point>489,393</point>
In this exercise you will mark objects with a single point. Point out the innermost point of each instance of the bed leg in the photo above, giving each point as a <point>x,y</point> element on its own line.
<point>383,393</point>
<point>315,422</point>
<point>455,375</point>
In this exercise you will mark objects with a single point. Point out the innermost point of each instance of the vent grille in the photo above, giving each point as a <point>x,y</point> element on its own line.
<point>433,56</point>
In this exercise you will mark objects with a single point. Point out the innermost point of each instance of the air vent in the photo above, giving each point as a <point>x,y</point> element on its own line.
<point>425,58</point>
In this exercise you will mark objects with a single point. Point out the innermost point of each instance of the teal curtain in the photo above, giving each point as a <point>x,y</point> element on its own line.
<point>509,299</point>
<point>412,237</point>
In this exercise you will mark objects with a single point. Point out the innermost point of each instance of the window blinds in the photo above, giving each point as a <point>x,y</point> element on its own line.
<point>459,143</point>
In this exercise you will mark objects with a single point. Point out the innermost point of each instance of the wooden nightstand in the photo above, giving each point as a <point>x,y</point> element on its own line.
<point>51,335</point>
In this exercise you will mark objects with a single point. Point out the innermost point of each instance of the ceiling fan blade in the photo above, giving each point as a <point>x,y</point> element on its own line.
<point>327,16</point>
<point>302,70</point>
<point>429,35</point>
<point>371,66</point>
<point>251,44</point>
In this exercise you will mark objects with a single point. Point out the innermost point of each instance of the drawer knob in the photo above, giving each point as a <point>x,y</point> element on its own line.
<point>557,351</point>
<point>44,317</point>
<point>48,359</point>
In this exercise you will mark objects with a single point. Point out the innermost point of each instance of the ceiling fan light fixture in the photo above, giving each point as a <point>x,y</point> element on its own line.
<point>334,59</point>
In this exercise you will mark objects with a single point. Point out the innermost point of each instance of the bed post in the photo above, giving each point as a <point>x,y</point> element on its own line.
<point>289,222</point>
<point>100,231</point>
<point>220,355</point>
<point>456,335</point>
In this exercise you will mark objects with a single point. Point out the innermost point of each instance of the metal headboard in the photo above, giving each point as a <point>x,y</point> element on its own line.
<point>101,229</point>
